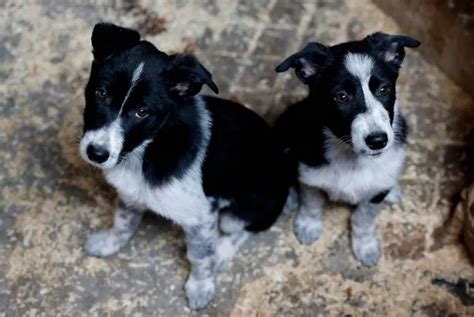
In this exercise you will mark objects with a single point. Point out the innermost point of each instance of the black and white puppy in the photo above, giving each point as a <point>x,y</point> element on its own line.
<point>207,164</point>
<point>347,138</point>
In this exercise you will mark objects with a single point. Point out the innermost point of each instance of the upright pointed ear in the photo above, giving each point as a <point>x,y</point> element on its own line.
<point>391,48</point>
<point>307,62</point>
<point>185,76</point>
<point>108,38</point>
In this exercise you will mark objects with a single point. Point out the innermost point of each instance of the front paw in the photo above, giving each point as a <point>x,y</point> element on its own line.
<point>103,243</point>
<point>307,229</point>
<point>200,292</point>
<point>366,249</point>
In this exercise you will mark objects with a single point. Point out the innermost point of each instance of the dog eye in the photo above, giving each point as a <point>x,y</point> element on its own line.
<point>341,98</point>
<point>101,93</point>
<point>141,113</point>
<point>384,90</point>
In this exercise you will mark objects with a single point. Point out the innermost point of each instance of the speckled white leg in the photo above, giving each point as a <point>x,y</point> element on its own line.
<point>365,243</point>
<point>233,236</point>
<point>227,247</point>
<point>201,241</point>
<point>109,241</point>
<point>308,224</point>
<point>395,195</point>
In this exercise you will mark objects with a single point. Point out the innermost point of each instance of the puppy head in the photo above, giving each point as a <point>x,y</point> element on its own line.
<point>134,90</point>
<point>353,88</point>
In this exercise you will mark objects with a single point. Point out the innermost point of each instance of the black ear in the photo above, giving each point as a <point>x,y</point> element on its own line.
<point>185,76</point>
<point>306,62</point>
<point>391,48</point>
<point>108,38</point>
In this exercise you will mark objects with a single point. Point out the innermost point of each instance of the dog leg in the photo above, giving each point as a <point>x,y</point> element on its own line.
<point>232,238</point>
<point>394,195</point>
<point>365,243</point>
<point>201,241</point>
<point>308,224</point>
<point>292,202</point>
<point>109,241</point>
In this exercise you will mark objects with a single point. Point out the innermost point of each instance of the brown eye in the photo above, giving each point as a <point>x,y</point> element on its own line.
<point>341,98</point>
<point>141,113</point>
<point>384,90</point>
<point>101,93</point>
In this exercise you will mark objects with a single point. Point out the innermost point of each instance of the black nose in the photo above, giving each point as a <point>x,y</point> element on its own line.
<point>376,141</point>
<point>97,154</point>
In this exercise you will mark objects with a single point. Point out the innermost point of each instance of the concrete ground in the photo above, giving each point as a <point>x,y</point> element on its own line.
<point>50,200</point>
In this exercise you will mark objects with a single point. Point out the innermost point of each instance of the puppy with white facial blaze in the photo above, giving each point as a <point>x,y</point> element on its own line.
<point>210,165</point>
<point>347,138</point>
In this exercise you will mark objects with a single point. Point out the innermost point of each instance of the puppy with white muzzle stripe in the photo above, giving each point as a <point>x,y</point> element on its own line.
<point>347,138</point>
<point>208,164</point>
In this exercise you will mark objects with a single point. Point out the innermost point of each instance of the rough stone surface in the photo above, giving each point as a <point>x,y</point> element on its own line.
<point>50,200</point>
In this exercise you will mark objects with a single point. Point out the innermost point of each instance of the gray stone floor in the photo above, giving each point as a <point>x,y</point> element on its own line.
<point>50,200</point>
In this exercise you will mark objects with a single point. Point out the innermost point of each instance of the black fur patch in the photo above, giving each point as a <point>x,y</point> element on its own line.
<point>244,164</point>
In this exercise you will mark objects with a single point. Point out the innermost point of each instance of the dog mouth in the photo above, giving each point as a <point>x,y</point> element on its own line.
<point>374,155</point>
<point>365,152</point>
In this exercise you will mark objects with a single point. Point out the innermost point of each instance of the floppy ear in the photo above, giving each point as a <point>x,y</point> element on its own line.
<point>185,76</point>
<point>108,38</point>
<point>391,48</point>
<point>306,62</point>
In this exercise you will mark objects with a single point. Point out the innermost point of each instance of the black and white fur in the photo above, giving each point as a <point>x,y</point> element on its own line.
<point>207,164</point>
<point>347,138</point>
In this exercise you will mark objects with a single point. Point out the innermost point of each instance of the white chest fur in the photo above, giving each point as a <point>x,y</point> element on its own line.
<point>352,179</point>
<point>179,199</point>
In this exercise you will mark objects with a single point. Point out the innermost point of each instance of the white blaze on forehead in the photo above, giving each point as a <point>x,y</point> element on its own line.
<point>359,65</point>
<point>376,118</point>
<point>135,78</point>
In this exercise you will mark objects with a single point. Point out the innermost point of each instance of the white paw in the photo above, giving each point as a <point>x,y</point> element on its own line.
<point>200,292</point>
<point>102,243</point>
<point>306,229</point>
<point>366,249</point>
<point>394,196</point>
